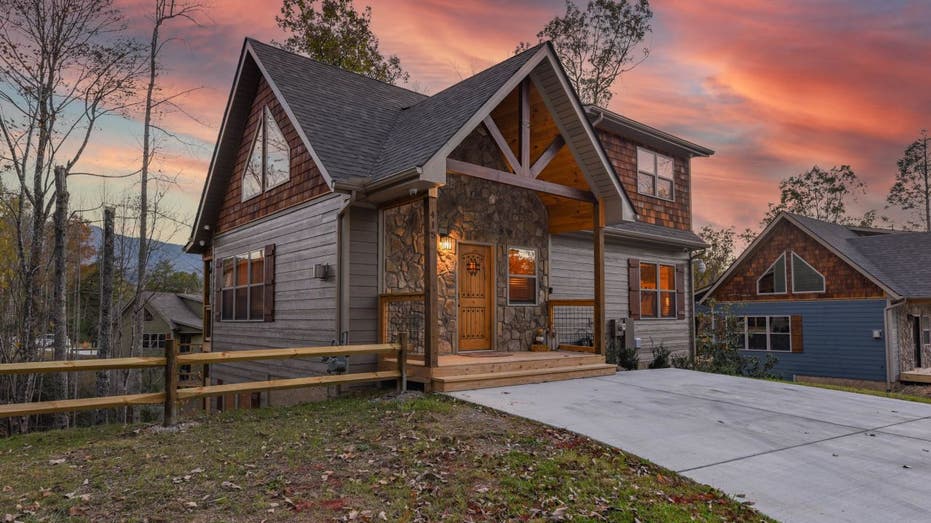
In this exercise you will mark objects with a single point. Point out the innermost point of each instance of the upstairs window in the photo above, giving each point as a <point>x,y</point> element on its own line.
<point>522,276</point>
<point>243,287</point>
<point>805,278</point>
<point>657,290</point>
<point>269,162</point>
<point>773,281</point>
<point>654,174</point>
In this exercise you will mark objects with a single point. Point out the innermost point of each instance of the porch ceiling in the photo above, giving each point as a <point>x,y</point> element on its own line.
<point>549,156</point>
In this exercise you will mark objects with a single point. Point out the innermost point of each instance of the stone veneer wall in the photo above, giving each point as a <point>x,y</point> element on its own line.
<point>906,336</point>
<point>472,210</point>
<point>480,211</point>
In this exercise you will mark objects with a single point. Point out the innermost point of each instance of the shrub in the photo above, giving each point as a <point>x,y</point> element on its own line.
<point>618,354</point>
<point>717,350</point>
<point>661,357</point>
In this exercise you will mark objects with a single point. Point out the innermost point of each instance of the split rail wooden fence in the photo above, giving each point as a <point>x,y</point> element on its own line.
<point>172,361</point>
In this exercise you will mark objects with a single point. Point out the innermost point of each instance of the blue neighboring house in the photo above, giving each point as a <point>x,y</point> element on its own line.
<point>832,301</point>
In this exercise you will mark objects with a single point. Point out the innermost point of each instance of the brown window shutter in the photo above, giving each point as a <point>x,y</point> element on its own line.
<point>269,283</point>
<point>633,287</point>
<point>218,291</point>
<point>680,291</point>
<point>796,326</point>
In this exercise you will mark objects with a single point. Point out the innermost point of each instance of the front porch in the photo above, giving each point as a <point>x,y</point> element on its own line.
<point>481,370</point>
<point>464,264</point>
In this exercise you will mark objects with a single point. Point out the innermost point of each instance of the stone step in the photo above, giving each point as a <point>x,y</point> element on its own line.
<point>520,377</point>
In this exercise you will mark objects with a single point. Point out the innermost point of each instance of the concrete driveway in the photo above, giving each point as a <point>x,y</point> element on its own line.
<point>799,453</point>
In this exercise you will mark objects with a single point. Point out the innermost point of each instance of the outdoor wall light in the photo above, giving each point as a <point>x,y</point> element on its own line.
<point>447,243</point>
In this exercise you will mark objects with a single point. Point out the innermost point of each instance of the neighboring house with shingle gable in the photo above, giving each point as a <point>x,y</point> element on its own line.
<point>831,300</point>
<point>494,216</point>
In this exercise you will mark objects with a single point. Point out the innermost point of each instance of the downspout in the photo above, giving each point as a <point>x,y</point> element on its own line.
<point>693,350</point>
<point>887,311</point>
<point>342,268</point>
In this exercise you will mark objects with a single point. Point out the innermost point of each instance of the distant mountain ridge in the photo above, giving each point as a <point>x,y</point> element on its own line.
<point>172,252</point>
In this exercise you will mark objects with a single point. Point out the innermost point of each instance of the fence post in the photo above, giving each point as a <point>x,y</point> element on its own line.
<point>171,383</point>
<point>402,361</point>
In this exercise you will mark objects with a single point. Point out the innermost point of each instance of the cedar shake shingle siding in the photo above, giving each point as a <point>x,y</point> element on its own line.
<point>305,182</point>
<point>622,153</point>
<point>841,280</point>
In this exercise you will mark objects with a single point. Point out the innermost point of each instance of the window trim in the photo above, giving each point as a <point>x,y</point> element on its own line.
<point>247,286</point>
<point>259,133</point>
<point>795,256</point>
<point>535,277</point>
<point>785,269</point>
<point>656,176</point>
<point>658,291</point>
<point>160,338</point>
<point>924,327</point>
<point>769,333</point>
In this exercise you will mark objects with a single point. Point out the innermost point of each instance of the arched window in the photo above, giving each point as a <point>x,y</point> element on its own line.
<point>805,278</point>
<point>773,281</point>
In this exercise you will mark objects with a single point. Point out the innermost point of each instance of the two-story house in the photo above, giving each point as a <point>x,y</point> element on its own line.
<point>497,216</point>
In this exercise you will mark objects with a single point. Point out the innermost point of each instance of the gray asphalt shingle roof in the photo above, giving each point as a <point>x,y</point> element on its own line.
<point>666,234</point>
<point>363,128</point>
<point>171,306</point>
<point>900,260</point>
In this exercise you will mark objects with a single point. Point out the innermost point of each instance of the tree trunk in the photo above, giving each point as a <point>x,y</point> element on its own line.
<point>143,254</point>
<point>105,328</point>
<point>59,316</point>
<point>927,187</point>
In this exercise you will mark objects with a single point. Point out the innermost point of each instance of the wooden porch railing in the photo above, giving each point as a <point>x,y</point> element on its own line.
<point>572,323</point>
<point>410,320</point>
<point>172,362</point>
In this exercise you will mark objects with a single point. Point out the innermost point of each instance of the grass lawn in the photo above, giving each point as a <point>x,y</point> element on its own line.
<point>871,392</point>
<point>420,458</point>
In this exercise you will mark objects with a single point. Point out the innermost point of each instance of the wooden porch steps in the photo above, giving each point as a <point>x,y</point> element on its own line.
<point>520,377</point>
<point>920,375</point>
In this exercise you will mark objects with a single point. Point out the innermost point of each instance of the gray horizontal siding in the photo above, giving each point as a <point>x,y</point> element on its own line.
<point>363,275</point>
<point>572,277</point>
<point>837,337</point>
<point>305,307</point>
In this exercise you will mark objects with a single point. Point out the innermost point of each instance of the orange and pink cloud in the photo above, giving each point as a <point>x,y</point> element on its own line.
<point>772,87</point>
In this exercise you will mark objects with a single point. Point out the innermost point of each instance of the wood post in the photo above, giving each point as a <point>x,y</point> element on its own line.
<point>430,340</point>
<point>402,361</point>
<point>171,383</point>
<point>598,237</point>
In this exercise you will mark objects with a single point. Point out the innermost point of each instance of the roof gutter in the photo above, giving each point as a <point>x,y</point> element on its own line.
<point>665,240</point>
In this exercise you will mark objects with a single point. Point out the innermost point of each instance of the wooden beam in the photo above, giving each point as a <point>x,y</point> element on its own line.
<point>598,236</point>
<point>292,383</point>
<point>106,402</point>
<point>551,151</point>
<point>431,314</point>
<point>35,367</point>
<point>524,99</point>
<point>494,175</point>
<point>502,144</point>
<point>279,354</point>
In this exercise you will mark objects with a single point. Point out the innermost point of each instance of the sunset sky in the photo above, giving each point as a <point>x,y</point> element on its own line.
<point>772,87</point>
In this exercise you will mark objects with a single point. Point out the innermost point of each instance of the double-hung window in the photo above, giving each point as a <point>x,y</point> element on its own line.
<point>655,174</point>
<point>522,276</point>
<point>657,290</point>
<point>243,287</point>
<point>765,333</point>
<point>153,341</point>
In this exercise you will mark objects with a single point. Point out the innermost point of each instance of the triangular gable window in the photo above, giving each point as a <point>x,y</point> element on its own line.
<point>773,281</point>
<point>269,160</point>
<point>805,278</point>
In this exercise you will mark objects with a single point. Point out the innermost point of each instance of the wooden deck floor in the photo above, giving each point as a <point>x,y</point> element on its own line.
<point>489,369</point>
<point>922,375</point>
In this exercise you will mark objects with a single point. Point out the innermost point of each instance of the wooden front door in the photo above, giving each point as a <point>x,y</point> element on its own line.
<point>476,296</point>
